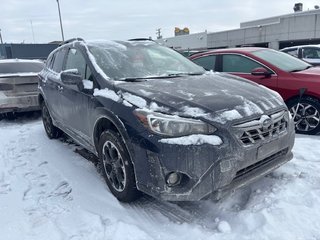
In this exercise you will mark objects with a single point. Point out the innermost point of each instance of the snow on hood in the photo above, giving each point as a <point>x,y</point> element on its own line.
<point>215,96</point>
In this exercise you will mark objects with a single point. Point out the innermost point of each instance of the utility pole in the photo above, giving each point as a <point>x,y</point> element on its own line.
<point>60,21</point>
<point>32,31</point>
<point>158,33</point>
<point>1,37</point>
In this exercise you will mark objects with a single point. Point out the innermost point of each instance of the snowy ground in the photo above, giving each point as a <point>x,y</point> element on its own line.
<point>48,191</point>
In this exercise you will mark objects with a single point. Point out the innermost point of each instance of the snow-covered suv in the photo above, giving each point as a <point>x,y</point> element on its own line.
<point>159,123</point>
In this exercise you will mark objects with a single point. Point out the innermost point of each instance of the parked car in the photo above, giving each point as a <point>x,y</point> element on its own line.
<point>296,81</point>
<point>159,123</point>
<point>19,85</point>
<point>308,53</point>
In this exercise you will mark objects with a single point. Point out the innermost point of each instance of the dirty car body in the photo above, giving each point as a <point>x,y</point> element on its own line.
<point>19,85</point>
<point>189,134</point>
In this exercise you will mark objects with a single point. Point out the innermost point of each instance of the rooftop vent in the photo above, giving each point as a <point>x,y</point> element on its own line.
<point>298,7</point>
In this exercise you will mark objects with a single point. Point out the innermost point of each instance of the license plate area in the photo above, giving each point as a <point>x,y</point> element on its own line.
<point>268,149</point>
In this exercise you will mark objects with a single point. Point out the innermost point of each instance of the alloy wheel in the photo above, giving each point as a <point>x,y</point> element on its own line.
<point>114,166</point>
<point>305,116</point>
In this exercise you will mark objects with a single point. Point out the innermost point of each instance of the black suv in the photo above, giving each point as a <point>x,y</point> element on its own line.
<point>159,123</point>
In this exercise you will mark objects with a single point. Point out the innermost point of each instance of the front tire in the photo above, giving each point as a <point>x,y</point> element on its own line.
<point>306,115</point>
<point>116,167</point>
<point>52,131</point>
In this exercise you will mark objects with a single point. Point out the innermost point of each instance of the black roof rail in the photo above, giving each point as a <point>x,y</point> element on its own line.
<point>141,39</point>
<point>71,40</point>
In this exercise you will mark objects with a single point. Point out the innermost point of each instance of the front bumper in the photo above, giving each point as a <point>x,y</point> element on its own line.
<point>209,170</point>
<point>19,103</point>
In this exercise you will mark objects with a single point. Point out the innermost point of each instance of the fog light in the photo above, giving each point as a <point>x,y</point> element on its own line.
<point>173,178</point>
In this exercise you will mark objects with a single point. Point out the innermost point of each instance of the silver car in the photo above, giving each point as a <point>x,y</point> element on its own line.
<point>19,85</point>
<point>308,53</point>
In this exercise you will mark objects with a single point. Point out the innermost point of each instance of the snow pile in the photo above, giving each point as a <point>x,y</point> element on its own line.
<point>193,111</point>
<point>229,115</point>
<point>156,108</point>
<point>223,226</point>
<point>196,139</point>
<point>106,93</point>
<point>87,84</point>
<point>135,100</point>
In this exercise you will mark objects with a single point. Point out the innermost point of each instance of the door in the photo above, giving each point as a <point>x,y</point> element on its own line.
<point>77,100</point>
<point>242,66</point>
<point>52,85</point>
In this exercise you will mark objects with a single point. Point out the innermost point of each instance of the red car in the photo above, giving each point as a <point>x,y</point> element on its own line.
<point>295,80</point>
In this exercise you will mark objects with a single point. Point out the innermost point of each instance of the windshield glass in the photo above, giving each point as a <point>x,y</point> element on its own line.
<point>143,59</point>
<point>20,67</point>
<point>282,60</point>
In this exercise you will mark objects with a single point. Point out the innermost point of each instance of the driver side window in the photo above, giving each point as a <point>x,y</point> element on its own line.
<point>75,60</point>
<point>237,63</point>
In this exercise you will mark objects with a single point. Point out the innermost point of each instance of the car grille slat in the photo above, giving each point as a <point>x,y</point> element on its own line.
<point>253,131</point>
<point>248,169</point>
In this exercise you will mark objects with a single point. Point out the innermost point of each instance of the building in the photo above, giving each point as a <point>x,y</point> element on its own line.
<point>26,51</point>
<point>300,27</point>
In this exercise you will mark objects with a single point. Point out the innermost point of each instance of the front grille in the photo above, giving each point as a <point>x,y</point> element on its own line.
<point>254,131</point>
<point>259,164</point>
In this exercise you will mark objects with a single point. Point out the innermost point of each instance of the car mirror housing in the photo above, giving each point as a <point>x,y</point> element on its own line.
<point>71,77</point>
<point>260,71</point>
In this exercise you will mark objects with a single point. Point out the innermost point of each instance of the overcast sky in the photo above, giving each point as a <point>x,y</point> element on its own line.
<point>124,19</point>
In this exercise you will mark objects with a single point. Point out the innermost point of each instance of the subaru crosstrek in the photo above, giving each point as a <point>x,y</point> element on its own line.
<point>159,123</point>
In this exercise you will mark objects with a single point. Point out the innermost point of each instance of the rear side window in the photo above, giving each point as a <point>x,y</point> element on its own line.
<point>236,63</point>
<point>207,62</point>
<point>58,60</point>
<point>20,67</point>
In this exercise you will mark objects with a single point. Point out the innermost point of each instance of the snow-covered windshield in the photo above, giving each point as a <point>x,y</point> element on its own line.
<point>282,60</point>
<point>130,60</point>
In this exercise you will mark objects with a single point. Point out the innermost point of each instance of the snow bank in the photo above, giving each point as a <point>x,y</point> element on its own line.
<point>196,139</point>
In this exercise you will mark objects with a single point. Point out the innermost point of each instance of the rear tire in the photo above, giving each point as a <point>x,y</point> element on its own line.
<point>116,167</point>
<point>52,131</point>
<point>306,115</point>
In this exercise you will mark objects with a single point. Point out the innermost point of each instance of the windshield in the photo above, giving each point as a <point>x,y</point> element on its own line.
<point>131,60</point>
<point>282,60</point>
<point>20,67</point>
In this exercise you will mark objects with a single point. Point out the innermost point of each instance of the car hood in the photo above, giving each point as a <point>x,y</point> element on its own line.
<point>220,97</point>
<point>313,72</point>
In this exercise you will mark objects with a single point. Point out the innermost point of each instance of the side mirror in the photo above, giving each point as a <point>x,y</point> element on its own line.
<point>71,77</point>
<point>260,71</point>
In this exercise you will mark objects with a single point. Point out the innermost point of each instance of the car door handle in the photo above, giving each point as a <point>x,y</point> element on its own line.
<point>60,88</point>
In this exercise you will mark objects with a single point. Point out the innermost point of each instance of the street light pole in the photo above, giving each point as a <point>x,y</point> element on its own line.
<point>1,37</point>
<point>60,20</point>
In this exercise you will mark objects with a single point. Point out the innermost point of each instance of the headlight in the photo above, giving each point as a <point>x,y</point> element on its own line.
<point>173,126</point>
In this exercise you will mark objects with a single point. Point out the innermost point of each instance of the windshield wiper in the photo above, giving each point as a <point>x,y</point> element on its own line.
<point>170,75</point>
<point>185,74</point>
